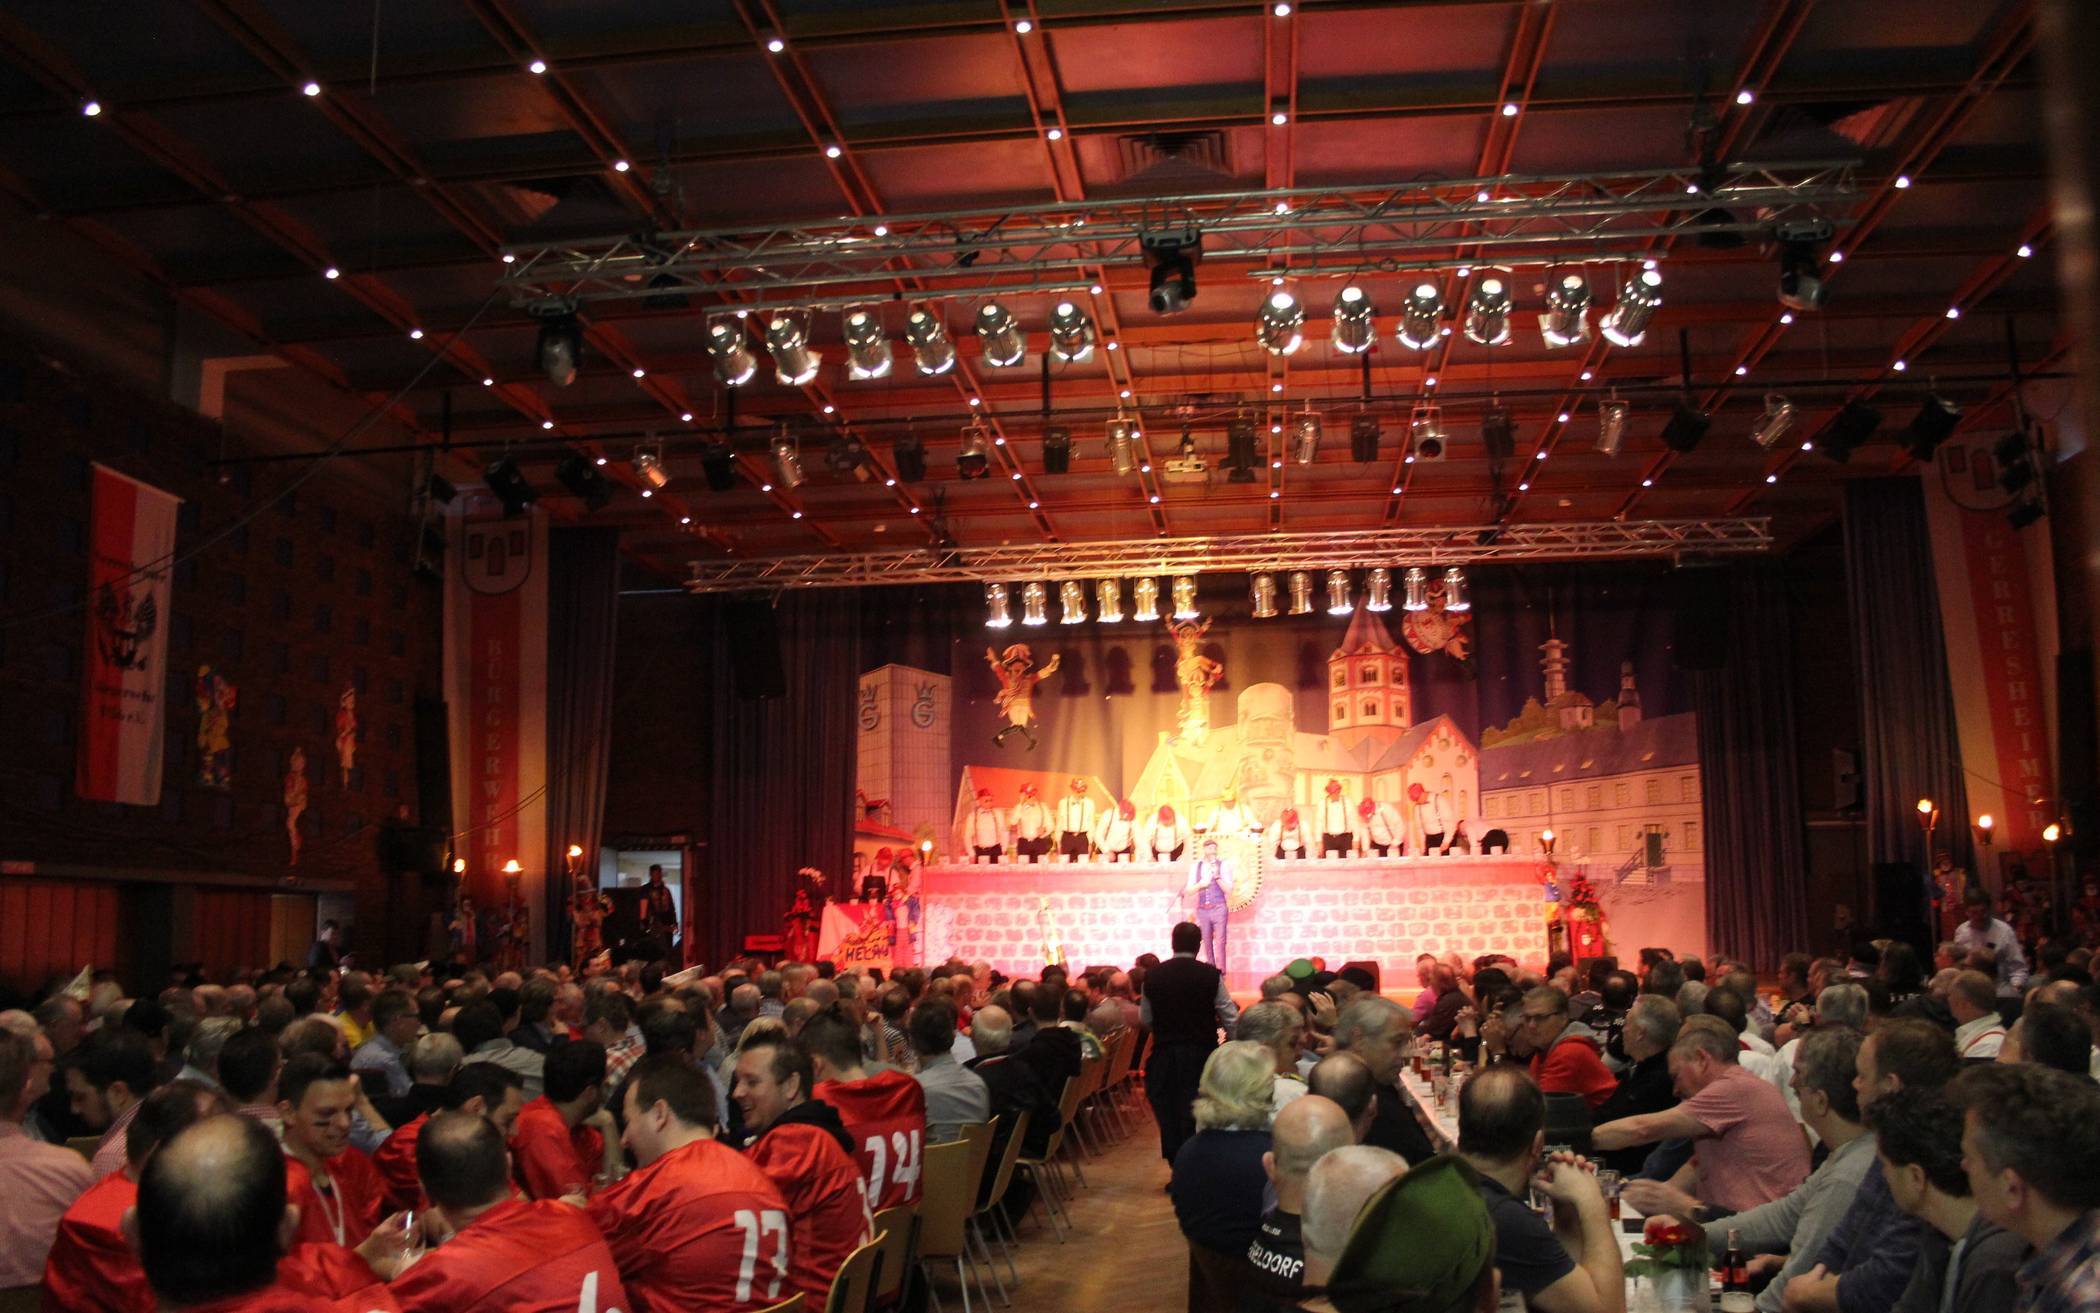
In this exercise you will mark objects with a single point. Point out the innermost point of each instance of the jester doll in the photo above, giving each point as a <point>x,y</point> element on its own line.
<point>800,942</point>
<point>1018,677</point>
<point>466,937</point>
<point>588,909</point>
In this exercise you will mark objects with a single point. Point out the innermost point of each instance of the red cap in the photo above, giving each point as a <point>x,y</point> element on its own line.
<point>882,856</point>
<point>1333,787</point>
<point>1166,815</point>
<point>1078,785</point>
<point>984,795</point>
<point>1128,811</point>
<point>1366,807</point>
<point>1028,789</point>
<point>1290,816</point>
<point>1416,792</point>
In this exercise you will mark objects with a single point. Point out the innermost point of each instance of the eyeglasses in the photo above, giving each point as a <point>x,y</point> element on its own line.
<point>1531,1018</point>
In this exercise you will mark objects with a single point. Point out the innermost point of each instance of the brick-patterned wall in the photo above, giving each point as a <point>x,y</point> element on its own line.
<point>1341,910</point>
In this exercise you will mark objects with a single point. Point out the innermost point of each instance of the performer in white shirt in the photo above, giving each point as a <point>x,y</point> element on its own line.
<point>1432,819</point>
<point>1075,823</point>
<point>1030,826</point>
<point>1166,836</point>
<point>1381,830</point>
<point>1290,836</point>
<point>1230,820</point>
<point>1210,880</point>
<point>1337,823</point>
<point>984,830</point>
<point>1116,835</point>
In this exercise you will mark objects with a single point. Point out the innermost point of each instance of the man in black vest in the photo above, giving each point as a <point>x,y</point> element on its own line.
<point>1185,1003</point>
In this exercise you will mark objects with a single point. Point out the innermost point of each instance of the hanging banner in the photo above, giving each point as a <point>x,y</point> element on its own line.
<point>1996,605</point>
<point>857,935</point>
<point>124,674</point>
<point>496,698</point>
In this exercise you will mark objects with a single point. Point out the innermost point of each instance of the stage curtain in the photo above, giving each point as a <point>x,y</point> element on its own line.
<point>582,608</point>
<point>1756,882</point>
<point>781,770</point>
<point>1907,708</point>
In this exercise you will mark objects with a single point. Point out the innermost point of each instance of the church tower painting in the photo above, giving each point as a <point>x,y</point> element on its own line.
<point>1367,679</point>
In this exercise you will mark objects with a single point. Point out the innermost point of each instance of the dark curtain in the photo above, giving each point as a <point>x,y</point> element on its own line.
<point>1756,880</point>
<point>781,770</point>
<point>1907,708</point>
<point>583,595</point>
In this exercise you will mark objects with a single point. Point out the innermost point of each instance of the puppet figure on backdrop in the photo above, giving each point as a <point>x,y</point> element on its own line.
<point>466,933</point>
<point>587,912</point>
<point>1197,675</point>
<point>294,798</point>
<point>346,731</point>
<point>1290,835</point>
<point>1166,836</point>
<point>1015,669</point>
<point>1030,824</point>
<point>800,942</point>
<point>216,696</point>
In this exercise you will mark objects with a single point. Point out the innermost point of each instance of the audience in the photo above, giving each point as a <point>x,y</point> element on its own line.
<point>884,1112</point>
<point>802,1146</point>
<point>1305,1131</point>
<point>108,1078</point>
<point>337,1191</point>
<point>1648,1031</point>
<point>1380,1033</point>
<point>2030,1146</point>
<point>39,1181</point>
<point>2050,1035</point>
<point>955,1096</point>
<point>1336,1189</point>
<point>1566,1056</point>
<point>1978,1031</point>
<point>1218,1173</point>
<point>1981,933</point>
<point>1965,1261</point>
<point>562,1141</point>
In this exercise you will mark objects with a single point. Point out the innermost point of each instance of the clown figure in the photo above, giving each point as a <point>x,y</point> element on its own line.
<point>1029,826</point>
<point>1018,677</point>
<point>1116,836</point>
<point>984,830</point>
<point>1290,835</point>
<point>1166,835</point>
<point>1075,823</point>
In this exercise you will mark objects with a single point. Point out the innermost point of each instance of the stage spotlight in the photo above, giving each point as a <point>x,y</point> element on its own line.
<point>909,455</point>
<point>584,481</point>
<point>649,468</point>
<point>867,348</point>
<point>1172,258</point>
<point>1240,452</point>
<point>1280,327</point>
<point>1611,426</point>
<point>1933,424</point>
<point>787,338</point>
<point>1487,313</point>
<point>1363,438</point>
<point>1338,601</point>
<point>509,486</point>
<point>2015,459</point>
<point>1774,423</point>
<point>1071,602</point>
<point>718,466</point>
<point>1425,435</point>
<point>1108,601</point>
<point>787,462</point>
<point>931,347</point>
<point>1378,589</point>
<point>1122,445</point>
<point>1415,590</point>
<point>1033,598</point>
<point>973,460</point>
<point>1685,428</point>
<point>1145,594</point>
<point>1185,597</point>
<point>560,349</point>
<point>1301,593</point>
<point>1419,317</point>
<point>1498,435</point>
<point>1057,449</point>
<point>1456,598</point>
<point>1305,438</point>
<point>1800,275</point>
<point>1355,321</point>
<point>734,363</point>
<point>1071,333</point>
<point>1004,345</point>
<point>1849,430</point>
<point>995,605</point>
<point>1627,322</point>
<point>1567,317</point>
<point>1262,592</point>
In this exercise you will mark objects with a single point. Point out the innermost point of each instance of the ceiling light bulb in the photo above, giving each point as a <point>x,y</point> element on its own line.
<point>1279,118</point>
<point>1509,109</point>
<point>1024,27</point>
<point>776,45</point>
<point>1487,313</point>
<point>331,273</point>
<point>1419,315</point>
<point>1566,320</point>
<point>310,89</point>
<point>1744,96</point>
<point>536,67</point>
<point>832,151</point>
<point>1280,329</point>
<point>91,108</point>
<point>621,166</point>
<point>1071,333</point>
<point>867,349</point>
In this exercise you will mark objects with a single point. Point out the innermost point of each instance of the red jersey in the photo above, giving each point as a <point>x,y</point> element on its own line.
<point>91,1268</point>
<point>344,1214</point>
<point>396,1160</point>
<point>549,1158</point>
<point>700,1230</point>
<point>885,1114</point>
<point>313,1279</point>
<point>827,1202</point>
<point>518,1257</point>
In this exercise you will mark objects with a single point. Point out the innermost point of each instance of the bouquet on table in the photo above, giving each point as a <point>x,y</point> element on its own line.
<point>1673,1256</point>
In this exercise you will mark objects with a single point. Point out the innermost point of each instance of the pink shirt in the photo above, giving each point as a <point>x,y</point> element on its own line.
<point>1751,1152</point>
<point>110,1154</point>
<point>39,1182</point>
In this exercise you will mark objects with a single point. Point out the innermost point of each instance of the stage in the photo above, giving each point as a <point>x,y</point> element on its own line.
<point>1387,909</point>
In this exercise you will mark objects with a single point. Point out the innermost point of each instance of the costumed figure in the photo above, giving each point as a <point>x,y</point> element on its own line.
<point>1290,836</point>
<point>1432,819</point>
<point>1210,880</point>
<point>346,730</point>
<point>659,908</point>
<point>1947,889</point>
<point>1197,675</point>
<point>2026,907</point>
<point>588,909</point>
<point>1337,825</point>
<point>1166,836</point>
<point>2085,913</point>
<point>1075,823</point>
<point>984,830</point>
<point>1030,826</point>
<point>1230,820</point>
<point>215,698</point>
<point>1116,836</point>
<point>1017,680</point>
<point>1381,829</point>
<point>800,941</point>
<point>517,931</point>
<point>875,885</point>
<point>294,798</point>
<point>904,915</point>
<point>466,931</point>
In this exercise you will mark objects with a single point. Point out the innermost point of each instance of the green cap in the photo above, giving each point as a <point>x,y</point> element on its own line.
<point>1419,1244</point>
<point>1299,969</point>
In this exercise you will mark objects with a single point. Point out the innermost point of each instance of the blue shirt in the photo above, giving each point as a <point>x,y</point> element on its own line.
<point>1217,1189</point>
<point>1873,1250</point>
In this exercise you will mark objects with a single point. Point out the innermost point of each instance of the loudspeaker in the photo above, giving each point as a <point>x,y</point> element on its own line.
<point>1901,909</point>
<point>1699,619</point>
<point>754,650</point>
<point>1371,967</point>
<point>433,767</point>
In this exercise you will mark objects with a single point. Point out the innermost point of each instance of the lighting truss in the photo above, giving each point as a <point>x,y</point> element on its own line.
<point>1270,552</point>
<point>1564,218</point>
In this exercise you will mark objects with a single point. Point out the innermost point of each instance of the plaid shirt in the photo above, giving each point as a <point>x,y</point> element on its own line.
<point>2064,1276</point>
<point>620,1057</point>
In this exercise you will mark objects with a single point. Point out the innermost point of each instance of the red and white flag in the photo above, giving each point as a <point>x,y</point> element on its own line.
<point>124,678</point>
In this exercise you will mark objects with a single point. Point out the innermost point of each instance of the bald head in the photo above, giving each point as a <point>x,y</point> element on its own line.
<point>991,1030</point>
<point>463,1162</point>
<point>1307,1130</point>
<point>211,1212</point>
<point>1335,1192</point>
<point>1346,1079</point>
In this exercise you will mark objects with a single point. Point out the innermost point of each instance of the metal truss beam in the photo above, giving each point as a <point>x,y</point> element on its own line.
<point>1461,545</point>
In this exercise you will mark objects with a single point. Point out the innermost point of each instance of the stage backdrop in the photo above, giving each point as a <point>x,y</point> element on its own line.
<point>1553,704</point>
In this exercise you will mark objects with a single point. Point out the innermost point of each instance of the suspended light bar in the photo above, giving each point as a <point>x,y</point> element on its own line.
<point>1071,602</point>
<point>995,604</point>
<point>1146,593</point>
<point>1338,602</point>
<point>1774,423</point>
<point>734,363</point>
<point>560,347</point>
<point>1456,597</point>
<point>1305,438</point>
<point>1033,596</point>
<point>931,347</point>
<point>1378,590</point>
<point>1301,592</point>
<point>1071,333</point>
<point>787,338</point>
<point>787,462</point>
<point>1281,326</point>
<point>1185,597</point>
<point>1419,317</point>
<point>1122,445</point>
<point>1487,312</point>
<point>1108,601</point>
<point>1355,321</point>
<point>1611,426</point>
<point>1567,318</point>
<point>1004,346</point>
<point>1416,594</point>
<point>1262,591</point>
<point>867,348</point>
<point>1627,323</point>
